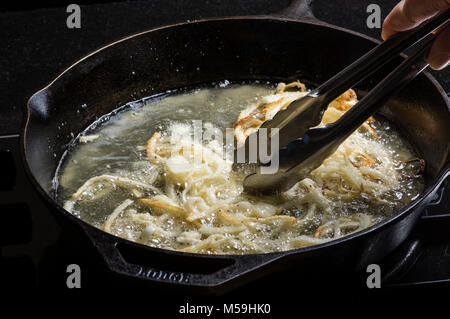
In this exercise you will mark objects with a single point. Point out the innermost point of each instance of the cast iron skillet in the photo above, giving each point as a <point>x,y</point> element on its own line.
<point>287,46</point>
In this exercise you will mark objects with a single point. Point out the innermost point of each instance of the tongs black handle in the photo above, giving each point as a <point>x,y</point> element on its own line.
<point>377,57</point>
<point>303,155</point>
<point>378,96</point>
<point>292,126</point>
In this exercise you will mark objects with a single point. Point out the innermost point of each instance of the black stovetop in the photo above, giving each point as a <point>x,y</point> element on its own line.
<point>37,46</point>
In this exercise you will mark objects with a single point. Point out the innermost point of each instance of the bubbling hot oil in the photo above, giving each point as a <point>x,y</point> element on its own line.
<point>116,148</point>
<point>118,151</point>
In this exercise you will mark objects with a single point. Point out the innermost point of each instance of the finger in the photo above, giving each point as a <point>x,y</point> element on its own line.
<point>439,55</point>
<point>408,14</point>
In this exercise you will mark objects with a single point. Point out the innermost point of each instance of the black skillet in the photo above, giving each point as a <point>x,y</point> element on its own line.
<point>286,46</point>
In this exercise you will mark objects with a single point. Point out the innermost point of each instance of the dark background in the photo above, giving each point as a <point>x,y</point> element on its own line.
<point>37,45</point>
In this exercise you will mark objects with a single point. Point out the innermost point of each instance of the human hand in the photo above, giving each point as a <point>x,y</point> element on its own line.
<point>408,14</point>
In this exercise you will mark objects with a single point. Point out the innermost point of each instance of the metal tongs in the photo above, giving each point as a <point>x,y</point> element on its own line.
<point>303,147</point>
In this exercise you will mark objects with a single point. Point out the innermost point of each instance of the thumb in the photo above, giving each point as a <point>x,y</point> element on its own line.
<point>408,14</point>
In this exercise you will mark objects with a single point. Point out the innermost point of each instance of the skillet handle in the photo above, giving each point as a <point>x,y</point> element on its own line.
<point>431,228</point>
<point>442,182</point>
<point>226,272</point>
<point>299,10</point>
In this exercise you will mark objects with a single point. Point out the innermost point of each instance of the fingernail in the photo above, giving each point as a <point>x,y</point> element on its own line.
<point>438,61</point>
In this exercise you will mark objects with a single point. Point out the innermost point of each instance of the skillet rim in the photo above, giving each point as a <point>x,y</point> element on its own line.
<point>403,212</point>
